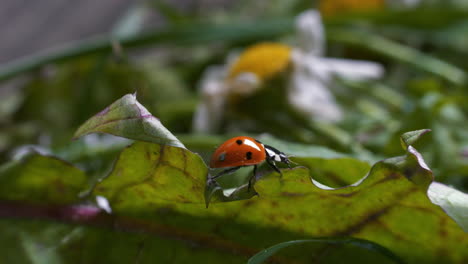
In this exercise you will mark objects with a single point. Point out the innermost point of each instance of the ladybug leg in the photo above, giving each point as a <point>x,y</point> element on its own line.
<point>254,175</point>
<point>227,171</point>
<point>273,165</point>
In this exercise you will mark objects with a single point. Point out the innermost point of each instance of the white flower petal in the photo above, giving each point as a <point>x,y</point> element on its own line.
<point>454,202</point>
<point>351,69</point>
<point>209,112</point>
<point>310,32</point>
<point>308,92</point>
<point>312,98</point>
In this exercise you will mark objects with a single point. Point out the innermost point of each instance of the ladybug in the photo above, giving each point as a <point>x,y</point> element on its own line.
<point>244,151</point>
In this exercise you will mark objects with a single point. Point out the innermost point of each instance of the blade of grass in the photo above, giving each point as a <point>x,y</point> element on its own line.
<point>178,35</point>
<point>242,32</point>
<point>399,52</point>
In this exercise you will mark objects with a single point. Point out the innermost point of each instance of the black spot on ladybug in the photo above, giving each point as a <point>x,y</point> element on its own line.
<point>222,156</point>
<point>248,155</point>
<point>239,142</point>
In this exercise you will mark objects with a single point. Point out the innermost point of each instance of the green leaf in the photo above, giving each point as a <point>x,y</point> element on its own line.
<point>156,195</point>
<point>41,242</point>
<point>389,206</point>
<point>335,172</point>
<point>215,193</point>
<point>212,188</point>
<point>326,166</point>
<point>147,173</point>
<point>127,118</point>
<point>409,138</point>
<point>41,179</point>
<point>413,167</point>
<point>365,244</point>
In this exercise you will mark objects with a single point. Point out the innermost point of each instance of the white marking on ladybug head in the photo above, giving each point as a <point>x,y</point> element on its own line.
<point>249,142</point>
<point>270,152</point>
<point>278,157</point>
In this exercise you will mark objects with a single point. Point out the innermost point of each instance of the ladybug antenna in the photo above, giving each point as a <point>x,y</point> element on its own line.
<point>289,162</point>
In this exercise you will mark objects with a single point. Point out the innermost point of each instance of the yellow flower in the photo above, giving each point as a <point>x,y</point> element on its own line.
<point>308,76</point>
<point>265,60</point>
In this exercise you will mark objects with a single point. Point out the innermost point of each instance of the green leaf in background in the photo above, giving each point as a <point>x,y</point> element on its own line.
<point>262,256</point>
<point>126,117</point>
<point>41,179</point>
<point>400,52</point>
<point>411,137</point>
<point>428,16</point>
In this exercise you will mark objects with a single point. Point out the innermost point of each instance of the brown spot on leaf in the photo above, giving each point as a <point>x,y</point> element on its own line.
<point>372,216</point>
<point>148,155</point>
<point>185,159</point>
<point>336,179</point>
<point>196,188</point>
<point>248,203</point>
<point>59,186</point>
<point>369,218</point>
<point>443,231</point>
<point>141,193</point>
<point>183,199</point>
<point>351,194</point>
<point>290,194</point>
<point>288,217</point>
<point>388,177</point>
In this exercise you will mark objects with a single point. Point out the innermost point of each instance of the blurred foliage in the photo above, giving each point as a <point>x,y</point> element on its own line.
<point>47,97</point>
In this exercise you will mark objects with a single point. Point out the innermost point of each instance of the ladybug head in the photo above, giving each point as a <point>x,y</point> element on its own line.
<point>276,155</point>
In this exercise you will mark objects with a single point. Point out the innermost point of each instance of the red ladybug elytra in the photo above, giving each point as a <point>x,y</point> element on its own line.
<point>244,151</point>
